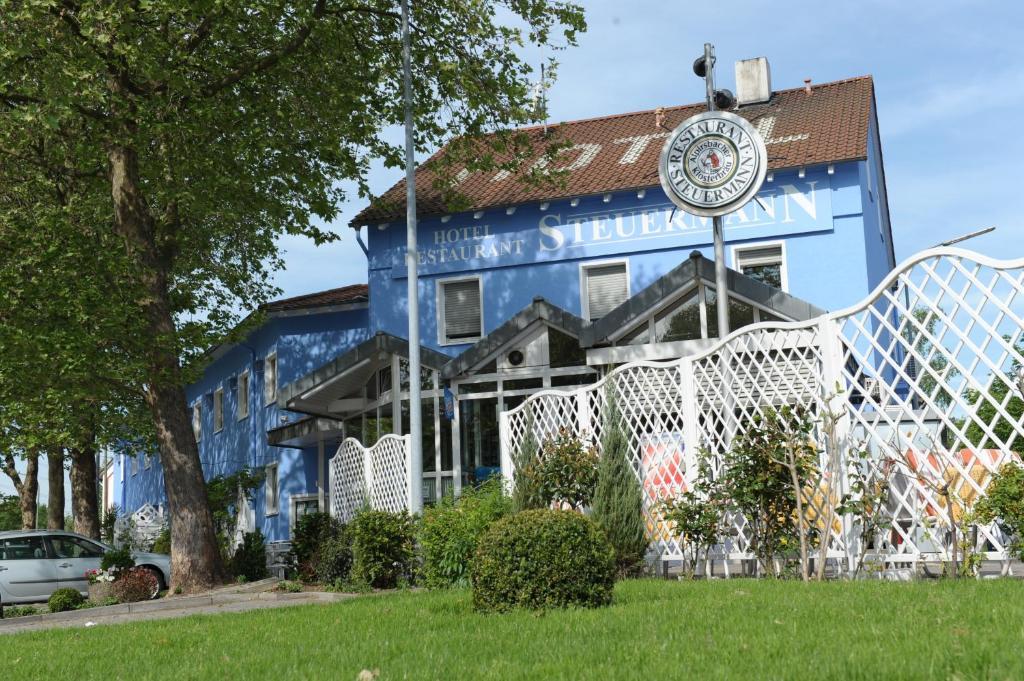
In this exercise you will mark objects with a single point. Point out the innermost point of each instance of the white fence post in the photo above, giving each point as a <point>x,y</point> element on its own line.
<point>410,481</point>
<point>505,444</point>
<point>837,403</point>
<point>688,409</point>
<point>368,473</point>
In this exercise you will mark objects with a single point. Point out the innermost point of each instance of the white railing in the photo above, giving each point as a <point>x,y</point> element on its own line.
<point>919,375</point>
<point>377,476</point>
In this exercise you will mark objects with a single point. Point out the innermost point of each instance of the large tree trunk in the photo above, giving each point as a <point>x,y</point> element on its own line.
<point>84,503</point>
<point>29,492</point>
<point>55,498</point>
<point>195,557</point>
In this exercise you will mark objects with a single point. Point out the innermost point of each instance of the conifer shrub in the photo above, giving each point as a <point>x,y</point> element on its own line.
<point>542,559</point>
<point>250,558</point>
<point>65,599</point>
<point>527,492</point>
<point>618,504</point>
<point>448,533</point>
<point>382,548</point>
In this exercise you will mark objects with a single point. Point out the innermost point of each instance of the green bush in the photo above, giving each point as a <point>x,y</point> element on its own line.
<point>449,532</point>
<point>1004,503</point>
<point>137,584</point>
<point>618,504</point>
<point>382,548</point>
<point>117,558</point>
<point>310,533</point>
<point>543,559</point>
<point>332,561</point>
<point>250,558</point>
<point>162,543</point>
<point>65,599</point>
<point>568,471</point>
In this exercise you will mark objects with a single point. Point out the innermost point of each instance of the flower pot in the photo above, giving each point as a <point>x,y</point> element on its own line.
<point>100,591</point>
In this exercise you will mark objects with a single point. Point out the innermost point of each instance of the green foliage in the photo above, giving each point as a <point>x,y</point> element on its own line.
<point>382,548</point>
<point>448,533</point>
<point>10,611</point>
<point>1004,503</point>
<point>10,512</point>
<point>543,559</point>
<point>162,543</point>
<point>696,515</point>
<point>137,584</point>
<point>117,558</point>
<point>332,560</point>
<point>222,492</point>
<point>108,522</point>
<point>250,559</point>
<point>65,599</point>
<point>758,482</point>
<point>1002,389</point>
<point>311,531</point>
<point>618,502</point>
<point>527,492</point>
<point>288,586</point>
<point>567,471</point>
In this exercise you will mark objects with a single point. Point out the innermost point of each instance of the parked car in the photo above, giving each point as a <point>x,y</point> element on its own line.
<point>35,563</point>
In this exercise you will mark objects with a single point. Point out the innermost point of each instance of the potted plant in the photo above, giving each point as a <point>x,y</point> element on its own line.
<point>101,583</point>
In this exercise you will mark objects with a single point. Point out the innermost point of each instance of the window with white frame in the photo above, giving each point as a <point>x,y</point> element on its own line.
<point>243,395</point>
<point>271,489</point>
<point>197,420</point>
<point>767,264</point>
<point>604,287</point>
<point>218,410</point>
<point>460,310</point>
<point>270,379</point>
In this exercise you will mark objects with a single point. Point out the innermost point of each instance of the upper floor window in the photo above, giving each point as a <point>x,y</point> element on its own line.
<point>767,264</point>
<point>605,287</point>
<point>460,311</point>
<point>135,465</point>
<point>218,410</point>
<point>270,379</point>
<point>271,488</point>
<point>197,420</point>
<point>243,394</point>
<point>146,460</point>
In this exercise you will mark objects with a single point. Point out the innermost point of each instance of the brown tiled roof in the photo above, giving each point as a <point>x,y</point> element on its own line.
<point>828,125</point>
<point>357,293</point>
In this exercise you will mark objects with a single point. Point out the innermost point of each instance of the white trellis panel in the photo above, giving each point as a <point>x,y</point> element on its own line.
<point>140,529</point>
<point>376,476</point>
<point>920,375</point>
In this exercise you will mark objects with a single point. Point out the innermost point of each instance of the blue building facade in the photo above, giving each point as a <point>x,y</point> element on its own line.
<point>536,288</point>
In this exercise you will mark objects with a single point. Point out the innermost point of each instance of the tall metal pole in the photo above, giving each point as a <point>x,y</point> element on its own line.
<point>411,262</point>
<point>721,278</point>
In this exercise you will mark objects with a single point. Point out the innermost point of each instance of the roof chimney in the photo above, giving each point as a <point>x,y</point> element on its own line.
<point>753,81</point>
<point>807,85</point>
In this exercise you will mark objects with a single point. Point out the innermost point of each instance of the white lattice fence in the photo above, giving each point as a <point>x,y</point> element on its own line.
<point>921,376</point>
<point>140,529</point>
<point>376,476</point>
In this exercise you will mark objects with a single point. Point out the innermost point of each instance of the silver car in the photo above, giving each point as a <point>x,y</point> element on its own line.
<point>35,563</point>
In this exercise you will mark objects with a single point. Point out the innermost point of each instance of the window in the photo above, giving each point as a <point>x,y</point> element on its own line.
<point>564,350</point>
<point>74,547</point>
<point>680,322</point>
<point>243,395</point>
<point>218,410</point>
<point>197,421</point>
<point>135,465</point>
<point>146,461</point>
<point>303,504</point>
<point>460,311</point>
<point>22,548</point>
<point>605,287</point>
<point>270,379</point>
<point>271,489</point>
<point>764,263</point>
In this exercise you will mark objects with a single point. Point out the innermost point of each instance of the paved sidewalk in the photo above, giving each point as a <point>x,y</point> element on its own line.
<point>256,596</point>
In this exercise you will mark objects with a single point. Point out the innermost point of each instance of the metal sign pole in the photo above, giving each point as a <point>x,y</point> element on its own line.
<point>411,261</point>
<point>721,277</point>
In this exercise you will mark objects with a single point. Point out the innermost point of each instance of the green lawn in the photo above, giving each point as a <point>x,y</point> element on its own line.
<point>738,629</point>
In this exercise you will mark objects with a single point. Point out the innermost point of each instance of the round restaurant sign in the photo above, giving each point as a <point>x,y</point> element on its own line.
<point>713,163</point>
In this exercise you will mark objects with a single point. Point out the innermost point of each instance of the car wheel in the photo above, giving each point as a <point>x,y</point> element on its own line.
<point>159,581</point>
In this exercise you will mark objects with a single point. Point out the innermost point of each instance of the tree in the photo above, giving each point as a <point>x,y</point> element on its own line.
<point>27,486</point>
<point>1004,393</point>
<point>10,512</point>
<point>217,128</point>
<point>55,493</point>
<point>618,503</point>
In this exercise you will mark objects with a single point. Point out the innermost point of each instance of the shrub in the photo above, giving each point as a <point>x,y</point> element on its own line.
<point>311,531</point>
<point>108,523</point>
<point>250,558</point>
<point>10,611</point>
<point>332,561</point>
<point>288,587</point>
<point>449,532</point>
<point>618,504</point>
<point>527,492</point>
<point>382,547</point>
<point>137,584</point>
<point>117,558</point>
<point>65,599</point>
<point>1004,502</point>
<point>543,559</point>
<point>162,543</point>
<point>568,471</point>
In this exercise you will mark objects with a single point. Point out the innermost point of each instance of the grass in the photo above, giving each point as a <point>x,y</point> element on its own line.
<point>738,629</point>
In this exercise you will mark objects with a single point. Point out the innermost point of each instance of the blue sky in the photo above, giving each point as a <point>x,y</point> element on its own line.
<point>949,79</point>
